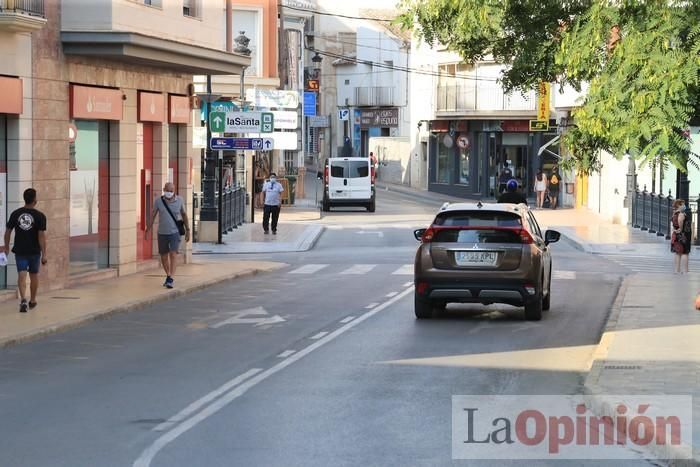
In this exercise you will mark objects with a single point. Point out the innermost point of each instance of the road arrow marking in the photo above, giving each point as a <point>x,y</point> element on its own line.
<point>240,317</point>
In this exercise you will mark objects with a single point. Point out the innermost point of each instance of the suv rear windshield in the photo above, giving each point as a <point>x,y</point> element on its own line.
<point>478,219</point>
<point>477,236</point>
<point>350,169</point>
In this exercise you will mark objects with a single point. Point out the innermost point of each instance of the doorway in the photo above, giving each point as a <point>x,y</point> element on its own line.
<point>144,189</point>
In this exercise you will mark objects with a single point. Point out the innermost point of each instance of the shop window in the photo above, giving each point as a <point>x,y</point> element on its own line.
<point>445,145</point>
<point>89,197</point>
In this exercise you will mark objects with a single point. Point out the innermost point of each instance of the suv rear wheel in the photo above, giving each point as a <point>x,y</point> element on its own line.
<point>423,308</point>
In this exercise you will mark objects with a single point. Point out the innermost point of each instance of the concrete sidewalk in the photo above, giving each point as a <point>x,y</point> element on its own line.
<point>62,309</point>
<point>651,345</point>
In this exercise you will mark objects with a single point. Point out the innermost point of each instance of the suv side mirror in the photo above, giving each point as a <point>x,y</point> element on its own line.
<point>551,236</point>
<point>419,234</point>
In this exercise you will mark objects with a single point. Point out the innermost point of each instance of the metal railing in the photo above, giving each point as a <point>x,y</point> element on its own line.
<point>233,208</point>
<point>652,212</point>
<point>467,96</point>
<point>30,7</point>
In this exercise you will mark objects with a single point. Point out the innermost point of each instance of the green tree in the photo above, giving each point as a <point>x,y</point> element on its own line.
<point>639,59</point>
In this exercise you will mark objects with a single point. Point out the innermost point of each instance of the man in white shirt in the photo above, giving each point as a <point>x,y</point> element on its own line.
<point>273,200</point>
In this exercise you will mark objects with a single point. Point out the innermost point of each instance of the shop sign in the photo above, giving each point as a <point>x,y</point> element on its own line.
<point>319,121</point>
<point>539,125</point>
<point>440,126</point>
<point>12,97</point>
<point>313,85</point>
<point>273,98</point>
<point>380,118</point>
<point>286,119</point>
<point>179,109</point>
<point>543,97</point>
<point>151,107</point>
<point>515,126</point>
<point>92,103</point>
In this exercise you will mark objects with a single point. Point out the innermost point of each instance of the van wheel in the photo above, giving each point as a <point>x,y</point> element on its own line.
<point>423,308</point>
<point>371,207</point>
<point>325,206</point>
<point>533,309</point>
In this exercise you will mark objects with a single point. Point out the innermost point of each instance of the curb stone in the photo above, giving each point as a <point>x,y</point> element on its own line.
<point>128,307</point>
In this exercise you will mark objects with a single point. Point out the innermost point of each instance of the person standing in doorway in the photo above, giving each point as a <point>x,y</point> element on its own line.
<point>554,183</point>
<point>680,238</point>
<point>540,188</point>
<point>173,224</point>
<point>29,225</point>
<point>273,202</point>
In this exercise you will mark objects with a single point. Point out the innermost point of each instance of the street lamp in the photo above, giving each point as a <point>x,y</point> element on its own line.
<point>317,60</point>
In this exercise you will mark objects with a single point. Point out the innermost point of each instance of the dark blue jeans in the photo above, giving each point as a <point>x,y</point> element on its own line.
<point>275,211</point>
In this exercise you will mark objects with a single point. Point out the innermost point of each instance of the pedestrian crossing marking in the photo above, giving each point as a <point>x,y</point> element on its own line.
<point>405,270</point>
<point>564,275</point>
<point>359,269</point>
<point>309,269</point>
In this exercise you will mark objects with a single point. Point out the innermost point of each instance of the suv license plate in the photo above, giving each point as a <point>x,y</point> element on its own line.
<point>470,258</point>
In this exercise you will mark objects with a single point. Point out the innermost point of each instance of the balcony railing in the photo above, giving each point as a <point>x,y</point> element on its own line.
<point>374,96</point>
<point>28,7</point>
<point>471,97</point>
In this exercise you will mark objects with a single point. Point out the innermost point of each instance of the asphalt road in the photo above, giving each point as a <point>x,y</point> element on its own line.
<point>319,364</point>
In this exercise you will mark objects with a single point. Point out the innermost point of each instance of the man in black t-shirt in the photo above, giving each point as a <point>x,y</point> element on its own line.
<point>30,246</point>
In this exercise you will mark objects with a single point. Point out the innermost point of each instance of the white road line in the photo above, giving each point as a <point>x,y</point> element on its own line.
<point>359,269</point>
<point>319,335</point>
<point>201,402</point>
<point>405,270</point>
<point>566,275</point>
<point>408,284</point>
<point>392,294</point>
<point>347,320</point>
<point>371,305</point>
<point>286,353</point>
<point>149,453</point>
<point>309,269</point>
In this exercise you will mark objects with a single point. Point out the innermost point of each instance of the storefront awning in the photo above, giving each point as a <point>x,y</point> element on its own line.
<point>152,51</point>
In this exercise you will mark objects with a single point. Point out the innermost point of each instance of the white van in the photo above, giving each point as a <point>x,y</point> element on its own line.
<point>348,181</point>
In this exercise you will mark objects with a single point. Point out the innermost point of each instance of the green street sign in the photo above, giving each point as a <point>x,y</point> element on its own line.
<point>217,122</point>
<point>539,125</point>
<point>268,122</point>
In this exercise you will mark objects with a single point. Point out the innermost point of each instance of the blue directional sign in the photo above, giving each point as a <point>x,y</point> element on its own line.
<point>309,104</point>
<point>242,144</point>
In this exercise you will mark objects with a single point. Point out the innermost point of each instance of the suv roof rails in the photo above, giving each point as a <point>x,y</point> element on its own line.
<point>444,206</point>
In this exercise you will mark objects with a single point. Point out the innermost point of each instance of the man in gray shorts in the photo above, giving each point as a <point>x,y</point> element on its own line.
<point>171,209</point>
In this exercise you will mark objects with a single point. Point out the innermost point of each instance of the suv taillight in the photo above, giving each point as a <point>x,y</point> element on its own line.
<point>525,236</point>
<point>428,235</point>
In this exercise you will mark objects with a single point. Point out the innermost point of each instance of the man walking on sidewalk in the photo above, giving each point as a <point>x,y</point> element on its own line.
<point>172,225</point>
<point>29,248</point>
<point>273,201</point>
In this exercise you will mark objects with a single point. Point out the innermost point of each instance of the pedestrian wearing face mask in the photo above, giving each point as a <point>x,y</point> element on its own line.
<point>680,237</point>
<point>173,224</point>
<point>273,201</point>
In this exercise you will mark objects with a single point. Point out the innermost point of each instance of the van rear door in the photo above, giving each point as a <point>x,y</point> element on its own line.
<point>360,181</point>
<point>338,185</point>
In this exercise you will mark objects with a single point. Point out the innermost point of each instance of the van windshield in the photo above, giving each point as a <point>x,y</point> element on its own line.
<point>350,169</point>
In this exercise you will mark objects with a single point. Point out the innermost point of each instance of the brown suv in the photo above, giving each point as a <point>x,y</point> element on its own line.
<point>484,253</point>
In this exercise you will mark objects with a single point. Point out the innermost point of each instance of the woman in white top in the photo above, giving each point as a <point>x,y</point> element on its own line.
<point>540,188</point>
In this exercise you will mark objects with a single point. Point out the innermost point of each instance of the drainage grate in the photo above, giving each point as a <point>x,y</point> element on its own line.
<point>622,367</point>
